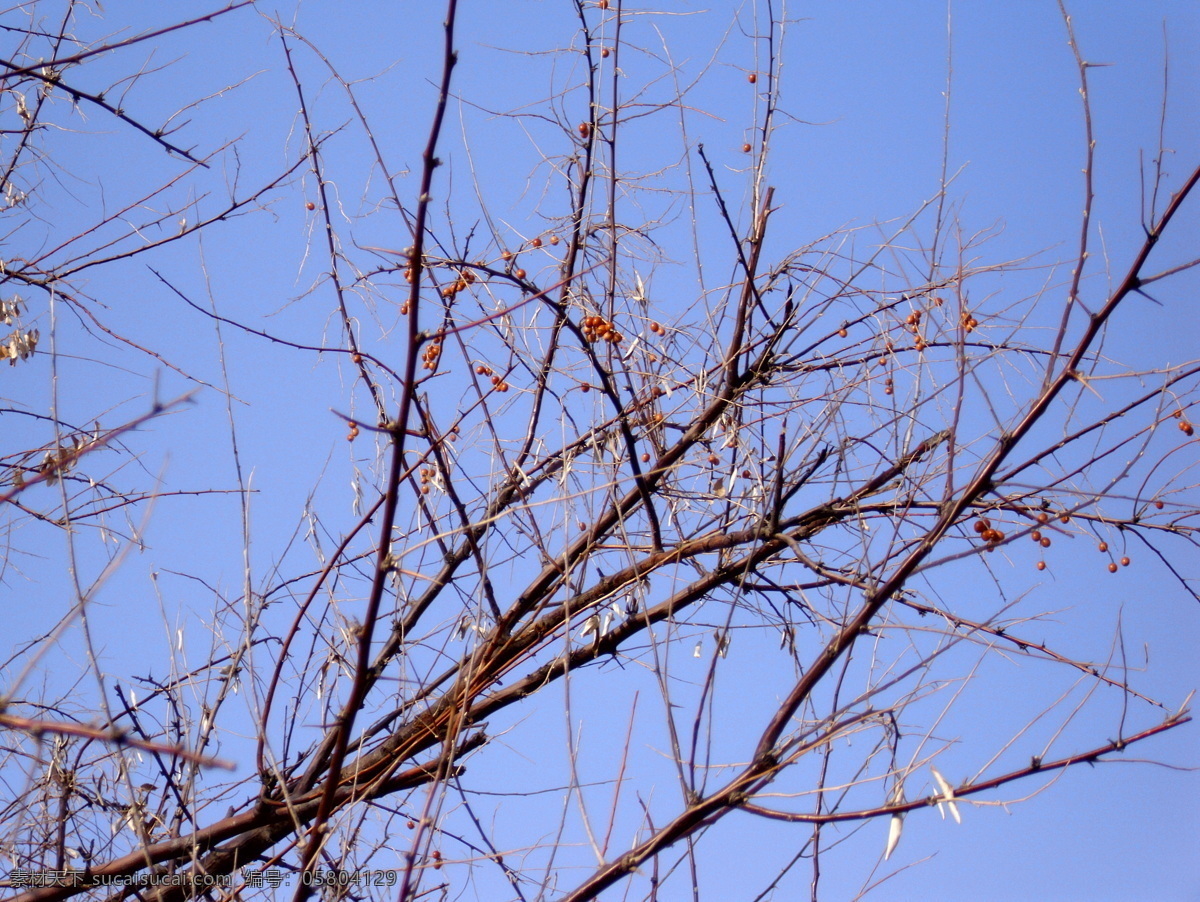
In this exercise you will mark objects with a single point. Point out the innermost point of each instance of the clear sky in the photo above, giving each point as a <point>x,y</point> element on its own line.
<point>859,145</point>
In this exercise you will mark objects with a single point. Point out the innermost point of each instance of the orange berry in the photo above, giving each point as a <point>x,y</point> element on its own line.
<point>1044,541</point>
<point>1185,427</point>
<point>506,256</point>
<point>1041,565</point>
<point>536,242</point>
<point>584,130</point>
<point>1103,546</point>
<point>746,148</point>
<point>645,457</point>
<point>519,273</point>
<point>310,206</point>
<point>554,239</point>
<point>356,358</point>
<point>752,78</point>
<point>1065,518</point>
<point>1112,568</point>
<point>1158,505</point>
<point>1043,517</point>
<point>604,52</point>
<point>842,333</point>
<point>1125,562</point>
<point>1036,535</point>
<point>585,388</point>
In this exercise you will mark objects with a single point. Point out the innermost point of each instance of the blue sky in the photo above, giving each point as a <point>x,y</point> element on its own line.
<point>860,149</point>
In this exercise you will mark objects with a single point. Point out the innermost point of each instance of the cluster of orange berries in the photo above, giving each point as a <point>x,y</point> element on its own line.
<point>993,537</point>
<point>912,323</point>
<point>485,370</point>
<point>428,475</point>
<point>429,358</point>
<point>597,328</point>
<point>1184,426</point>
<point>1112,566</point>
<point>465,278</point>
<point>657,328</point>
<point>353,433</point>
<point>969,323</point>
<point>1043,518</point>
